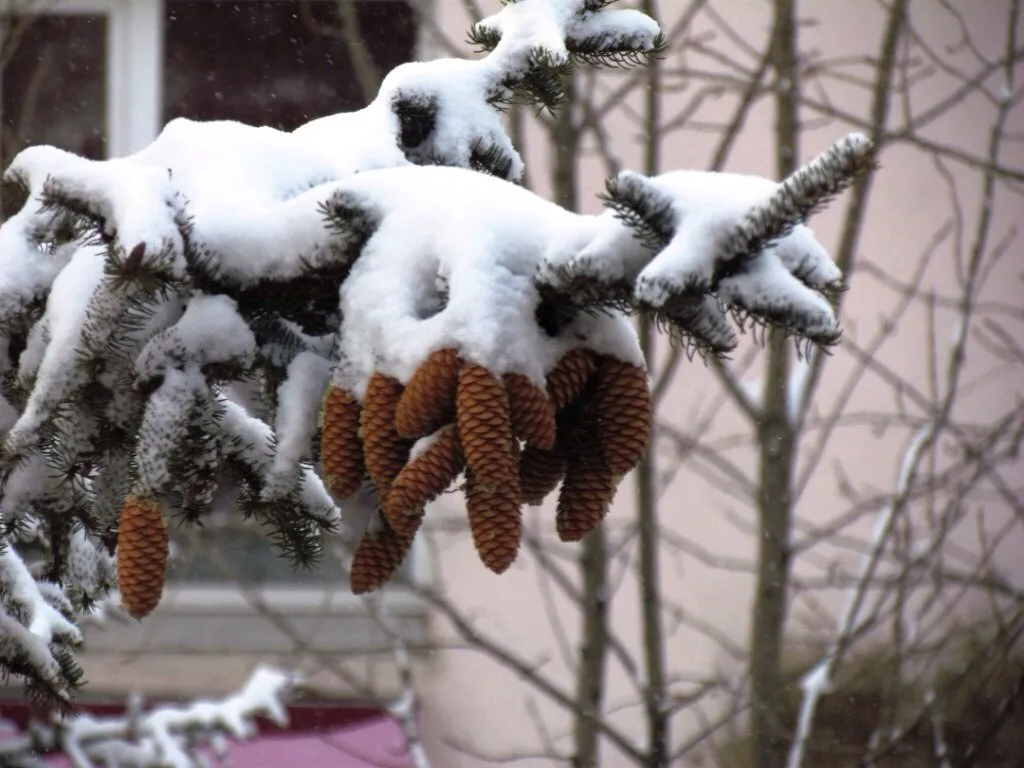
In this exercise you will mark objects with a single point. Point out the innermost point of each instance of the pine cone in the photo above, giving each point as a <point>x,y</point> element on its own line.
<point>378,556</point>
<point>485,431</point>
<point>540,472</point>
<point>495,522</point>
<point>568,378</point>
<point>422,480</point>
<point>341,450</point>
<point>624,409</point>
<point>533,414</point>
<point>385,451</point>
<point>588,487</point>
<point>428,402</point>
<point>142,545</point>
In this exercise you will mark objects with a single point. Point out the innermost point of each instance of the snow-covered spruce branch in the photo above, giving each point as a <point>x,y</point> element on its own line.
<point>707,243</point>
<point>135,292</point>
<point>166,735</point>
<point>330,263</point>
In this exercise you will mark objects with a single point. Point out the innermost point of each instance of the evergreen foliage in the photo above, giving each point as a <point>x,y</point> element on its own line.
<point>139,295</point>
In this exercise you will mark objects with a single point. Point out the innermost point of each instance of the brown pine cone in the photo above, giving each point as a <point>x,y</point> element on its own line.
<point>540,472</point>
<point>142,545</point>
<point>385,451</point>
<point>428,402</point>
<point>341,450</point>
<point>533,413</point>
<point>422,480</point>
<point>485,431</point>
<point>568,378</point>
<point>625,411</point>
<point>378,556</point>
<point>589,486</point>
<point>495,522</point>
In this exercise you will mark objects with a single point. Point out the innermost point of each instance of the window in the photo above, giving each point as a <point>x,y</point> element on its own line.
<point>221,65</point>
<point>54,83</point>
<point>237,550</point>
<point>82,76</point>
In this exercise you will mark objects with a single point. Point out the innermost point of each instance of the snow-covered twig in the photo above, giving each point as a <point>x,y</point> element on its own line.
<point>818,681</point>
<point>167,736</point>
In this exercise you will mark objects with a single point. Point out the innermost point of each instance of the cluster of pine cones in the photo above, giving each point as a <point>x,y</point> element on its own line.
<point>589,428</point>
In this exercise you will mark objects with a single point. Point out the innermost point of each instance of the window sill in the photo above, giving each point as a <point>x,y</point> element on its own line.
<point>280,620</point>
<point>298,600</point>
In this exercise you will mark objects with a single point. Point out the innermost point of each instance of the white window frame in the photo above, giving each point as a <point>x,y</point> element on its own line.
<point>134,63</point>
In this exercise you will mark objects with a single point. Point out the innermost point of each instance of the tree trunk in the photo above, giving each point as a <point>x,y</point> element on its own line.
<point>655,700</point>
<point>776,449</point>
<point>593,558</point>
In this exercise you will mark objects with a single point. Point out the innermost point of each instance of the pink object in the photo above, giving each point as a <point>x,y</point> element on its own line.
<point>377,743</point>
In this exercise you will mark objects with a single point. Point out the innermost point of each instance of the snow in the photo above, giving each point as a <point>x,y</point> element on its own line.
<point>30,622</point>
<point>164,427</point>
<point>65,317</point>
<point>165,735</point>
<point>298,405</point>
<point>256,445</point>
<point>708,208</point>
<point>43,620</point>
<point>615,26</point>
<point>209,331</point>
<point>472,239</point>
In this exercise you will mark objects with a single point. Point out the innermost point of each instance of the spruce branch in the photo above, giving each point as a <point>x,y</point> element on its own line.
<point>808,190</point>
<point>647,211</point>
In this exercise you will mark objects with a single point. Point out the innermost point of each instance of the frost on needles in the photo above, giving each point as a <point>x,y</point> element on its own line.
<point>328,327</point>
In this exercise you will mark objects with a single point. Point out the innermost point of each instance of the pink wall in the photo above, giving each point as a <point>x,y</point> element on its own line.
<point>474,702</point>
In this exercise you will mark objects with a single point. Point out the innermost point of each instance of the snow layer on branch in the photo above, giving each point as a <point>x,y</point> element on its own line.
<point>615,27</point>
<point>459,90</point>
<point>209,331</point>
<point>164,426</point>
<point>708,207</point>
<point>41,619</point>
<point>298,406</point>
<point>29,624</point>
<point>547,24</point>
<point>169,735</point>
<point>468,252</point>
<point>65,319</point>
<point>132,201</point>
<point>255,443</point>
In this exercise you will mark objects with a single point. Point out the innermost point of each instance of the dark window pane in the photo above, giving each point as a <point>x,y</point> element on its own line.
<point>237,553</point>
<point>243,553</point>
<point>54,84</point>
<point>263,62</point>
